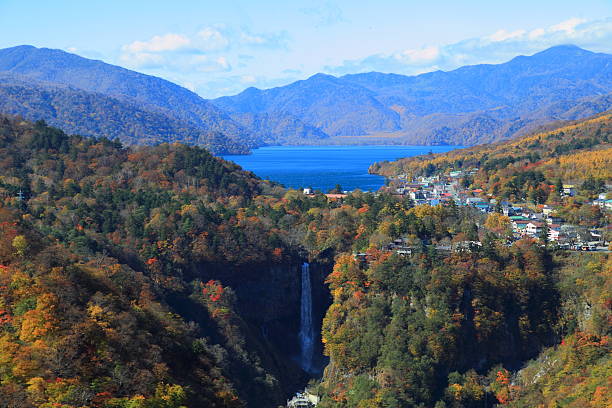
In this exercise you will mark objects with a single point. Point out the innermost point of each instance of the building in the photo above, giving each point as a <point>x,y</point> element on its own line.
<point>416,195</point>
<point>554,232</point>
<point>534,228</point>
<point>303,400</point>
<point>569,189</point>
<point>547,209</point>
<point>474,200</point>
<point>485,208</point>
<point>519,225</point>
<point>331,196</point>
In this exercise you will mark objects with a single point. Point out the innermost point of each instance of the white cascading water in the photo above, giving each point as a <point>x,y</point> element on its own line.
<point>306,329</point>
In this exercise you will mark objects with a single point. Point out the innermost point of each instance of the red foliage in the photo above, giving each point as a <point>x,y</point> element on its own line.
<point>277,253</point>
<point>5,317</point>
<point>503,377</point>
<point>213,290</point>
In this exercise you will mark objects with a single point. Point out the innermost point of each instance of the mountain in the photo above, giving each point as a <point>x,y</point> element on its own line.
<point>335,106</point>
<point>469,105</point>
<point>162,276</point>
<point>277,129</point>
<point>151,109</point>
<point>570,152</point>
<point>87,113</point>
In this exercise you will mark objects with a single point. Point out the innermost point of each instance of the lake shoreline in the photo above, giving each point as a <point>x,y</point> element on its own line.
<point>323,167</point>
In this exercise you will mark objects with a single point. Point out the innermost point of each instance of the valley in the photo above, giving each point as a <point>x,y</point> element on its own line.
<point>229,280</point>
<point>356,228</point>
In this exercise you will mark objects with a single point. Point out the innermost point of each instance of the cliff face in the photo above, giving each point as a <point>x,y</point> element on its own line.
<point>268,300</point>
<point>321,302</point>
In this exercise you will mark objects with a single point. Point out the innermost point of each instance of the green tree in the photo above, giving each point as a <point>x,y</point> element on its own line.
<point>20,243</point>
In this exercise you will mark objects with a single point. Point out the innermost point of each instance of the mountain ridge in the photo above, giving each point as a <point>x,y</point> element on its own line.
<point>466,106</point>
<point>520,86</point>
<point>152,94</point>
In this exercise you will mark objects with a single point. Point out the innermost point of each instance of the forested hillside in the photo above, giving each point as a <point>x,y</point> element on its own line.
<point>42,83</point>
<point>453,331</point>
<point>534,166</point>
<point>165,277</point>
<point>86,113</point>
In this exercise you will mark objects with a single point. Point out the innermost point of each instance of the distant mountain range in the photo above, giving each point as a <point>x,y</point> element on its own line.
<point>470,105</point>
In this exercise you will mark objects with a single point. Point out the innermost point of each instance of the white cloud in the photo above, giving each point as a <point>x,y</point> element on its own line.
<point>419,56</point>
<point>159,43</point>
<point>497,47</point>
<point>252,39</point>
<point>503,35</point>
<point>568,26</point>
<point>143,60</point>
<point>538,32</point>
<point>204,51</point>
<point>210,39</point>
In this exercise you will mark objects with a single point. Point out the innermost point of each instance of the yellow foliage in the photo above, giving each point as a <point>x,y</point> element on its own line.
<point>40,321</point>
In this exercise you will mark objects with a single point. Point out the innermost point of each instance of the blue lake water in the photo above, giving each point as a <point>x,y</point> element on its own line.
<point>322,167</point>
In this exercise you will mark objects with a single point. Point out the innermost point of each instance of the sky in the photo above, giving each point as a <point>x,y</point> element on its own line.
<point>221,47</point>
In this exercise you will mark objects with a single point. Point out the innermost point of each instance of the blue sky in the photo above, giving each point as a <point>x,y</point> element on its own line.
<point>222,47</point>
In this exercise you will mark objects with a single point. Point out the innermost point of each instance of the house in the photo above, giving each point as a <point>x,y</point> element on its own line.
<point>599,203</point>
<point>569,189</point>
<point>547,209</point>
<point>468,246</point>
<point>332,196</point>
<point>519,224</point>
<point>308,191</point>
<point>474,200</point>
<point>554,220</point>
<point>534,228</point>
<point>416,195</point>
<point>303,400</point>
<point>554,232</point>
<point>485,208</point>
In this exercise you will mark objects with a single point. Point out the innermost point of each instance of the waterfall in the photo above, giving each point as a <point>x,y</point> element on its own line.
<point>306,330</point>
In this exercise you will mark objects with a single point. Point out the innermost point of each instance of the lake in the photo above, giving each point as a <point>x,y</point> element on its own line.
<point>322,167</point>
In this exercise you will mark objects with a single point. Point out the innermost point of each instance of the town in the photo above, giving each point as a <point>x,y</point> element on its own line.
<point>526,219</point>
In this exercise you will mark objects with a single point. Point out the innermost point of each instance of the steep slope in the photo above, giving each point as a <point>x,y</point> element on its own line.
<point>469,105</point>
<point>93,114</point>
<point>150,94</point>
<point>165,277</point>
<point>569,151</point>
<point>279,128</point>
<point>118,302</point>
